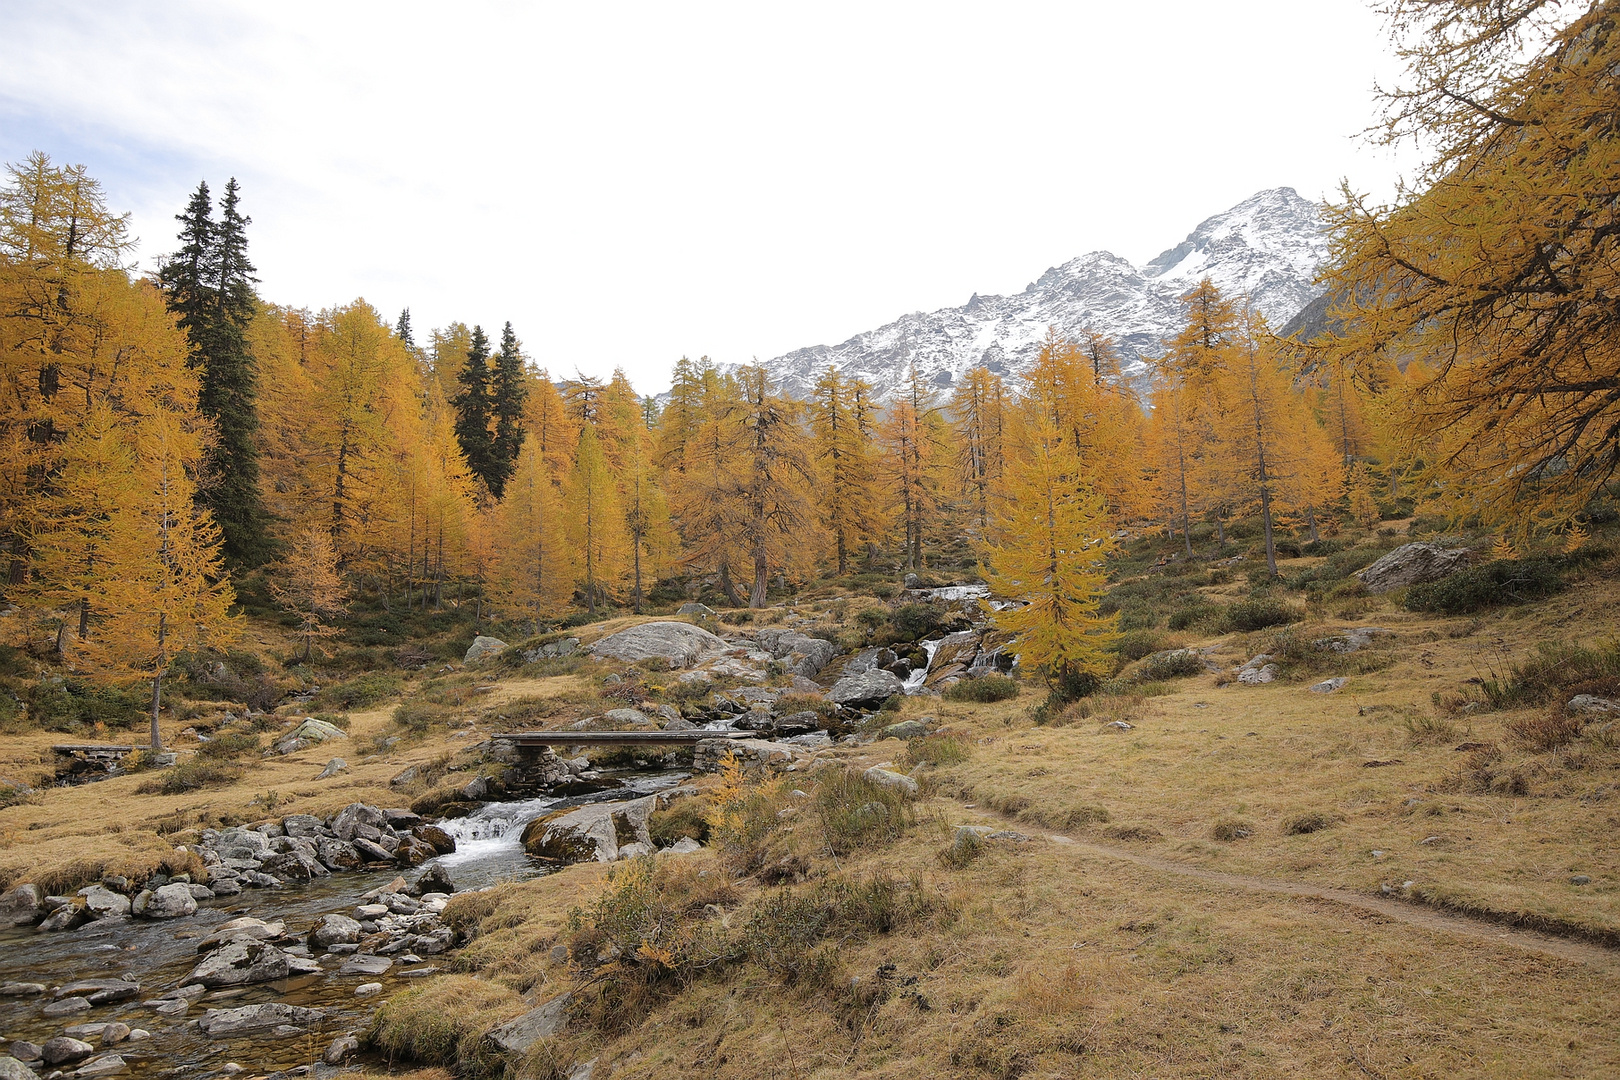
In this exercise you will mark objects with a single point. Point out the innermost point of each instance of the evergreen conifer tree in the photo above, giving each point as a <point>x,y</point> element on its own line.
<point>209,283</point>
<point>507,397</point>
<point>474,406</point>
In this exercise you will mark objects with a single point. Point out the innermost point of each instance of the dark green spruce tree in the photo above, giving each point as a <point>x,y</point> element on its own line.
<point>209,284</point>
<point>474,405</point>
<point>510,392</point>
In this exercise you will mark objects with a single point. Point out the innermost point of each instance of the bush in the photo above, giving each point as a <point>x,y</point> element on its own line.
<point>1422,730</point>
<point>1505,581</point>
<point>985,688</point>
<point>420,716</point>
<point>71,705</point>
<point>856,812</point>
<point>358,693</point>
<point>914,622</point>
<point>1175,664</point>
<point>1227,830</point>
<point>229,747</point>
<point>1196,615</point>
<point>1545,731</point>
<point>937,750</point>
<point>191,775</point>
<point>1135,644</point>
<point>1554,666</point>
<point>683,817</point>
<point>1259,613</point>
<point>1315,821</point>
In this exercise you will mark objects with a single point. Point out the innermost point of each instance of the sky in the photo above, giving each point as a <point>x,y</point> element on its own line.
<point>629,183</point>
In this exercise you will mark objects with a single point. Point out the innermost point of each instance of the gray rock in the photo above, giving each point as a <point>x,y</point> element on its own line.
<point>296,865</point>
<point>21,906</point>
<point>21,989</point>
<point>516,1036</point>
<point>341,1049</point>
<point>334,930</point>
<point>337,854</point>
<point>65,918</point>
<point>1351,640</point>
<point>905,729</point>
<point>315,731</point>
<point>114,1033</point>
<point>483,646</point>
<point>349,820</point>
<point>201,892</point>
<point>585,1070</point>
<point>476,789</point>
<point>237,843</point>
<point>371,852</point>
<point>12,1069</point>
<point>64,1050</point>
<point>1412,564</point>
<point>702,611</point>
<point>66,1007</point>
<point>804,655</point>
<point>240,963</point>
<point>171,902</point>
<point>898,781</point>
<point>365,964</point>
<point>245,928</point>
<point>590,832</point>
<point>622,718</point>
<point>865,688</point>
<point>105,1065</point>
<point>333,767</point>
<point>1580,879</point>
<point>100,991</point>
<point>684,846</point>
<point>222,1023</point>
<point>103,903</point>
<point>368,989</point>
<point>1328,686</point>
<point>405,776</point>
<point>680,644</point>
<point>304,825</point>
<point>1591,703</point>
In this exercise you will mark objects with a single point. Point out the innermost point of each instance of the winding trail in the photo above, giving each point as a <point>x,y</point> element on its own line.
<point>1575,950</point>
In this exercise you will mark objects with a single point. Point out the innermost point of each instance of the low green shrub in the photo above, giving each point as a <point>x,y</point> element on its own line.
<point>1546,673</point>
<point>192,775</point>
<point>229,747</point>
<point>857,812</point>
<point>1194,615</point>
<point>420,716</point>
<point>1505,581</point>
<point>1173,664</point>
<point>1315,821</point>
<point>985,688</point>
<point>683,817</point>
<point>1261,612</point>
<point>72,705</point>
<point>937,750</point>
<point>1135,644</point>
<point>357,693</point>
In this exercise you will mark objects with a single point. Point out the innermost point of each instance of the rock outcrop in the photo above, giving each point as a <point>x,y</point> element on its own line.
<point>680,644</point>
<point>593,832</point>
<point>1413,564</point>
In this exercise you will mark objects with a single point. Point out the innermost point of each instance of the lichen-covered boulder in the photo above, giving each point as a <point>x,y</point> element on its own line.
<point>21,906</point>
<point>1413,564</point>
<point>866,688</point>
<point>483,646</point>
<point>593,832</point>
<point>681,644</point>
<point>239,963</point>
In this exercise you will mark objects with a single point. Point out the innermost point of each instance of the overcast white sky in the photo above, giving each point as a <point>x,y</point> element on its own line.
<point>629,182</point>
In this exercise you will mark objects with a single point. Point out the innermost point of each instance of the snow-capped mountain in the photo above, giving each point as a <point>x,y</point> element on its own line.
<point>1267,247</point>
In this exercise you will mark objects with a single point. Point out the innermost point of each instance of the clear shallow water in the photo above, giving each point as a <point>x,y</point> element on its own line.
<point>159,954</point>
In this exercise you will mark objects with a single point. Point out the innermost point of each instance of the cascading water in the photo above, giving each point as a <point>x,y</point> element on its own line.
<point>914,681</point>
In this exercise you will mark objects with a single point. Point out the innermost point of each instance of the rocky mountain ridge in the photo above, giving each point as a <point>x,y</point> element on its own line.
<point>1268,247</point>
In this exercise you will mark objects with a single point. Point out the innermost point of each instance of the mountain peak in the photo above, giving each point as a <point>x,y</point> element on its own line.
<point>1267,247</point>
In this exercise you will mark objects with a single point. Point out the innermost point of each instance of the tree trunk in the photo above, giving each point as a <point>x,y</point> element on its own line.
<point>635,604</point>
<point>1220,529</point>
<point>84,618</point>
<point>728,587</point>
<point>761,574</point>
<point>1310,519</point>
<point>157,698</point>
<point>843,555</point>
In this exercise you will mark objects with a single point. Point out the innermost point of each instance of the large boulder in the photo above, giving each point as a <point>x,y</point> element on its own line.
<point>866,688</point>
<point>483,646</point>
<point>222,1023</point>
<point>334,930</point>
<point>103,903</point>
<point>595,831</point>
<point>681,644</point>
<point>238,843</point>
<point>21,906</point>
<point>1413,564</point>
<point>240,963</point>
<point>169,902</point>
<point>353,819</point>
<point>12,1069</point>
<point>516,1036</point>
<point>804,655</point>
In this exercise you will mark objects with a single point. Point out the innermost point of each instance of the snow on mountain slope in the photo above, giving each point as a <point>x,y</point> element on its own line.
<point>1267,247</point>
